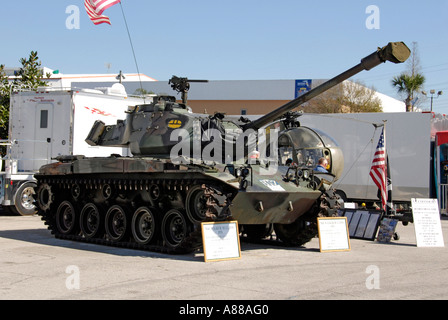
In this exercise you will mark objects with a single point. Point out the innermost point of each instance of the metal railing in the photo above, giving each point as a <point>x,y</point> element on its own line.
<point>13,163</point>
<point>443,197</point>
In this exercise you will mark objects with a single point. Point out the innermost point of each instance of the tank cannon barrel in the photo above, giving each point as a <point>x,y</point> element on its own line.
<point>396,52</point>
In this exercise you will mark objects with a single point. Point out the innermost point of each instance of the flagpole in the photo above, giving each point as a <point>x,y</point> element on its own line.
<point>133,51</point>
<point>378,169</point>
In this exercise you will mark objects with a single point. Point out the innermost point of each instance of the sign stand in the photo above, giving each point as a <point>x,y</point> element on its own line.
<point>428,229</point>
<point>387,230</point>
<point>362,224</point>
<point>221,240</point>
<point>333,234</point>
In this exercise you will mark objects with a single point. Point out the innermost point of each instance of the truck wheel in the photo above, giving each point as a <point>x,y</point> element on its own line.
<point>24,199</point>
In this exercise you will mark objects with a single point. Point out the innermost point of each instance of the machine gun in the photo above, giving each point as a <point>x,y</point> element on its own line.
<point>182,85</point>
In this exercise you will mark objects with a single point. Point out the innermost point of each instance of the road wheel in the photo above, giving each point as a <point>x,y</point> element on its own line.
<point>144,225</point>
<point>91,221</point>
<point>258,231</point>
<point>175,228</point>
<point>66,220</point>
<point>116,223</point>
<point>297,233</point>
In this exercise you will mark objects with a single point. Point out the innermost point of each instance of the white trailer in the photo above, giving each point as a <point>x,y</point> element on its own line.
<point>409,144</point>
<point>47,123</point>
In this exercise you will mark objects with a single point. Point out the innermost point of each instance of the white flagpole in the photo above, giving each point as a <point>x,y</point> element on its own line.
<point>389,202</point>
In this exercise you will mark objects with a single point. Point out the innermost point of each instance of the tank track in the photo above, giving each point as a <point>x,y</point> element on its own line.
<point>133,245</point>
<point>192,200</point>
<point>68,204</point>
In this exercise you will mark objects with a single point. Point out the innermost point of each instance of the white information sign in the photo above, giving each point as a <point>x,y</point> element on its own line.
<point>333,234</point>
<point>428,229</point>
<point>221,240</point>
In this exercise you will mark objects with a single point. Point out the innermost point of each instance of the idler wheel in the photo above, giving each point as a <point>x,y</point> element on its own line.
<point>66,218</point>
<point>175,228</point>
<point>44,196</point>
<point>116,223</point>
<point>91,221</point>
<point>196,204</point>
<point>143,225</point>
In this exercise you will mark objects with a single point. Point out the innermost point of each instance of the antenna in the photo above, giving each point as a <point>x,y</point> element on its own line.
<point>132,47</point>
<point>120,77</point>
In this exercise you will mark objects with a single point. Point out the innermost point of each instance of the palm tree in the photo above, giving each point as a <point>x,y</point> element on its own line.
<point>408,85</point>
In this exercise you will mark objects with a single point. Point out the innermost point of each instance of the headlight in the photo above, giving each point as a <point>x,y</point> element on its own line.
<point>306,174</point>
<point>241,172</point>
<point>237,172</point>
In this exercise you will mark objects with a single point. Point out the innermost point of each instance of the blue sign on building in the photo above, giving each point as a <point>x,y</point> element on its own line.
<point>302,86</point>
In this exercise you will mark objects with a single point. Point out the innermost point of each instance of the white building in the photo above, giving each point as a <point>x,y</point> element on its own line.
<point>229,96</point>
<point>250,96</point>
<point>55,79</point>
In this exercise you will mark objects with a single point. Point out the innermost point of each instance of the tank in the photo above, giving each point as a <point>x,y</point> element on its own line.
<point>189,168</point>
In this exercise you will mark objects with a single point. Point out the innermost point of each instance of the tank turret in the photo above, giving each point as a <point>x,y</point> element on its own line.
<point>148,128</point>
<point>190,168</point>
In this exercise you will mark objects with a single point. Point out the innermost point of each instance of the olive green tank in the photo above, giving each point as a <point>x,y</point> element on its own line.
<point>190,168</point>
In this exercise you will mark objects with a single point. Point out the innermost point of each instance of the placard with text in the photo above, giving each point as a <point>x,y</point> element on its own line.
<point>333,234</point>
<point>221,240</point>
<point>428,229</point>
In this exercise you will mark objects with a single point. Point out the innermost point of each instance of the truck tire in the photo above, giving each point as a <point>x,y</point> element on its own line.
<point>24,199</point>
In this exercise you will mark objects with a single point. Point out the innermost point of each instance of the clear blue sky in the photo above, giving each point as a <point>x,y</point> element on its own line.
<point>231,40</point>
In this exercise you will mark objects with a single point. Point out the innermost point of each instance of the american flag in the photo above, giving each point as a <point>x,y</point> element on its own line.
<point>95,8</point>
<point>378,171</point>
